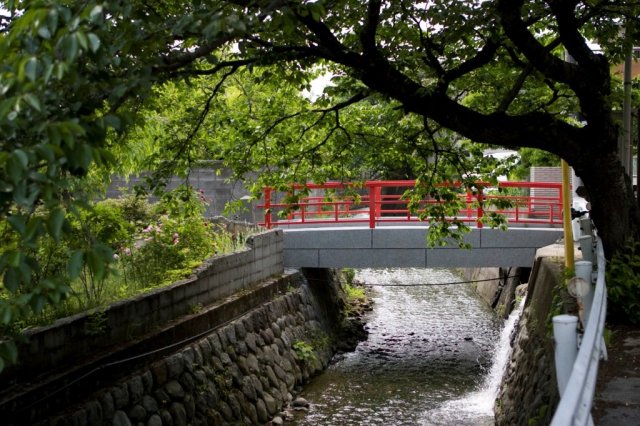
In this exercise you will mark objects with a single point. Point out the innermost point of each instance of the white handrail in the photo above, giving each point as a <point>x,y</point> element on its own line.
<point>575,405</point>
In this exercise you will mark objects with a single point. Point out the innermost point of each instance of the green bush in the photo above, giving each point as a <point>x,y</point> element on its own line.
<point>623,285</point>
<point>151,245</point>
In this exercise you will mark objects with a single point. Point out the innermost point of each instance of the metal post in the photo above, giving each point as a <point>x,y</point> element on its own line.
<point>565,334</point>
<point>480,208</point>
<point>566,216</point>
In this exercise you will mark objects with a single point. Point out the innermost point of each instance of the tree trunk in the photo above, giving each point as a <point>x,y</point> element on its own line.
<point>614,209</point>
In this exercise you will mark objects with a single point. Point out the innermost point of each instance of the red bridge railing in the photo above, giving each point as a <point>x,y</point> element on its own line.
<point>377,202</point>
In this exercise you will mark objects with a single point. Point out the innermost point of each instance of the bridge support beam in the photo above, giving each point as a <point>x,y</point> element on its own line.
<point>360,247</point>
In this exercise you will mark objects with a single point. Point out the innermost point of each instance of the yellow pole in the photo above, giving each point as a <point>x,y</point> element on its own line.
<point>566,218</point>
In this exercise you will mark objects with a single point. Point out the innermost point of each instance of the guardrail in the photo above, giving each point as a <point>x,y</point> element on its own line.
<point>577,396</point>
<point>375,202</point>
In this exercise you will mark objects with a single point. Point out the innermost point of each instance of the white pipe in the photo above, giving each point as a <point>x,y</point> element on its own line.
<point>584,270</point>
<point>586,247</point>
<point>565,334</point>
<point>585,226</point>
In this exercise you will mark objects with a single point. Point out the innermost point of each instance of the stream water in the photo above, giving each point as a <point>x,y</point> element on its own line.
<point>428,360</point>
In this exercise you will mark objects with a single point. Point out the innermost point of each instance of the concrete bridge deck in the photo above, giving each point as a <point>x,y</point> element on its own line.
<point>406,246</point>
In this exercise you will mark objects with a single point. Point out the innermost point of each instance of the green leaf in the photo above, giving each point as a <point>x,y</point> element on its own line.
<point>71,47</point>
<point>10,280</point>
<point>33,101</point>
<point>113,121</point>
<point>96,264</point>
<point>74,266</point>
<point>31,68</point>
<point>94,42</point>
<point>14,169</point>
<point>96,14</point>
<point>82,40</point>
<point>22,157</point>
<point>9,351</point>
<point>37,303</point>
<point>55,222</point>
<point>43,31</point>
<point>17,223</point>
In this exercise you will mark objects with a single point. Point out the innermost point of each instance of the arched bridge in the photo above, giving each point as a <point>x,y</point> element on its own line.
<point>370,225</point>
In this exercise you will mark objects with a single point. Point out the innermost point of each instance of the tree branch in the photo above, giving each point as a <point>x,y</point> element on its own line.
<point>510,12</point>
<point>368,34</point>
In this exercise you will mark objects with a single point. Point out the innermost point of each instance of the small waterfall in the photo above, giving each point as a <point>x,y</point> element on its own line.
<point>502,354</point>
<point>478,405</point>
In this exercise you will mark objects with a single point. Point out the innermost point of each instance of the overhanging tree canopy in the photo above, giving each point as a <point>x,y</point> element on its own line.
<point>73,75</point>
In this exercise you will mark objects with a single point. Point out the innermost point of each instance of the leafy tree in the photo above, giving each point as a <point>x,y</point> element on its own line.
<point>75,76</point>
<point>533,157</point>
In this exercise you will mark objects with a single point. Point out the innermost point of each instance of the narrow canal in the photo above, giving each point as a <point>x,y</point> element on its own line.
<point>427,361</point>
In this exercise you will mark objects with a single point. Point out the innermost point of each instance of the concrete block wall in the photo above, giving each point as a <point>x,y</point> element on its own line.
<point>77,337</point>
<point>214,179</point>
<point>545,174</point>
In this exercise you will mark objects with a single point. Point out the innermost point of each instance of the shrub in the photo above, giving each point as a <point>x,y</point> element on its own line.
<point>623,284</point>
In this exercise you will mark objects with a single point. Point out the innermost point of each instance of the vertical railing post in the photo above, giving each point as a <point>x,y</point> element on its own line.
<point>372,204</point>
<point>469,203</point>
<point>480,198</point>
<point>267,207</point>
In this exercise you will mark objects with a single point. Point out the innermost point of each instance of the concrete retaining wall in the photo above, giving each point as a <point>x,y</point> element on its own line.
<point>74,339</point>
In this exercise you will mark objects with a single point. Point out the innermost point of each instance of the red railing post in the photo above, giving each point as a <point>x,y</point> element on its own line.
<point>373,201</point>
<point>469,202</point>
<point>267,208</point>
<point>480,198</point>
<point>560,195</point>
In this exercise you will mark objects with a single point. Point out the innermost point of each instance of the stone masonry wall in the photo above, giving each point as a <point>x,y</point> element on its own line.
<point>242,373</point>
<point>497,286</point>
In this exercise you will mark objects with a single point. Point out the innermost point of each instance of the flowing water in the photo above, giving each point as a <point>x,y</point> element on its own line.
<point>428,359</point>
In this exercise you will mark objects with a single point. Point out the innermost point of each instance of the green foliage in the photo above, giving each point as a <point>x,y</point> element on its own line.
<point>303,351</point>
<point>354,293</point>
<point>96,323</point>
<point>349,275</point>
<point>533,157</point>
<point>623,284</point>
